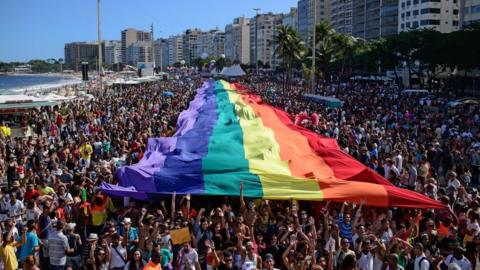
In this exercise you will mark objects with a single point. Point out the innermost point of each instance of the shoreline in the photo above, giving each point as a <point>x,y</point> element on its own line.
<point>64,81</point>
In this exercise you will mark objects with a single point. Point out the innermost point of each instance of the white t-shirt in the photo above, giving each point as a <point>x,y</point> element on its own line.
<point>365,262</point>
<point>464,263</point>
<point>424,265</point>
<point>454,183</point>
<point>188,260</point>
<point>15,209</point>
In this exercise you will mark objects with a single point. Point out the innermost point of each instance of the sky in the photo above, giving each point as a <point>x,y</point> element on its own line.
<point>39,29</point>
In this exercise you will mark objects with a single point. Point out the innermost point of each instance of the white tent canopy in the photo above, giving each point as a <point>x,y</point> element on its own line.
<point>233,71</point>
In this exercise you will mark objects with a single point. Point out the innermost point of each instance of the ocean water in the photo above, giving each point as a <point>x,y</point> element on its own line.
<point>11,84</point>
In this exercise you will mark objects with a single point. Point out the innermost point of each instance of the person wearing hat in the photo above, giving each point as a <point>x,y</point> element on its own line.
<point>458,259</point>
<point>75,243</point>
<point>58,247</point>
<point>31,245</point>
<point>130,234</point>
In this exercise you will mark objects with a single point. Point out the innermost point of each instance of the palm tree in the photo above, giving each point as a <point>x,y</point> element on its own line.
<point>325,49</point>
<point>290,48</point>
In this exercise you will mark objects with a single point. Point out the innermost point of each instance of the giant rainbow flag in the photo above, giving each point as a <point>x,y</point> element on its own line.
<point>228,136</point>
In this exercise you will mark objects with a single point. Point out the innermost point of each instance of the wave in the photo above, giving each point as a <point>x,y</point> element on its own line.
<point>63,81</point>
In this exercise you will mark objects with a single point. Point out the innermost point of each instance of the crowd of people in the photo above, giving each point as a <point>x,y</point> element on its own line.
<point>54,216</point>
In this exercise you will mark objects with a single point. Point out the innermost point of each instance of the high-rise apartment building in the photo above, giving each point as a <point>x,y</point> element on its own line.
<point>389,18</point>
<point>131,36</point>
<point>161,52</point>
<point>237,40</point>
<point>113,52</point>
<point>471,11</point>
<point>210,43</point>
<point>290,19</point>
<point>175,49</point>
<point>218,44</point>
<point>190,50</point>
<point>266,27</point>
<point>440,15</point>
<point>140,51</point>
<point>341,14</point>
<point>77,52</point>
<point>305,9</point>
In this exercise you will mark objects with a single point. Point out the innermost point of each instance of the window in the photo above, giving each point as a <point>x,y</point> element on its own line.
<point>415,24</point>
<point>403,16</point>
<point>415,12</point>
<point>435,22</point>
<point>407,24</point>
<point>430,11</point>
<point>455,1</point>
<point>408,14</point>
<point>415,2</point>
<point>455,23</point>
<point>409,3</point>
<point>402,26</point>
<point>455,12</point>
<point>424,22</point>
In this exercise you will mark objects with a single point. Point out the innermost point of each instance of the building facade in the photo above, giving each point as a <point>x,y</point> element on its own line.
<point>131,36</point>
<point>266,25</point>
<point>389,18</point>
<point>140,51</point>
<point>471,12</point>
<point>341,15</point>
<point>175,49</point>
<point>290,19</point>
<point>113,52</point>
<point>443,16</point>
<point>305,10</point>
<point>190,50</point>
<point>237,40</point>
<point>160,47</point>
<point>218,44</point>
<point>77,52</point>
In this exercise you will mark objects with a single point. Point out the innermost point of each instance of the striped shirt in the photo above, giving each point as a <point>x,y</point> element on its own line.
<point>57,248</point>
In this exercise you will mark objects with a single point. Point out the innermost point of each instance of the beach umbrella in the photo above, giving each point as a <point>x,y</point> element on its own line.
<point>168,93</point>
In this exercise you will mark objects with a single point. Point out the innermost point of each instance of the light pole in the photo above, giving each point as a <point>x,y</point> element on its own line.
<point>256,39</point>
<point>100,62</point>
<point>313,44</point>
<point>153,47</point>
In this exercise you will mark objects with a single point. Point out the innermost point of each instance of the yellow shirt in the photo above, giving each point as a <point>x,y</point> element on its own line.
<point>8,256</point>
<point>86,151</point>
<point>6,131</point>
<point>46,190</point>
